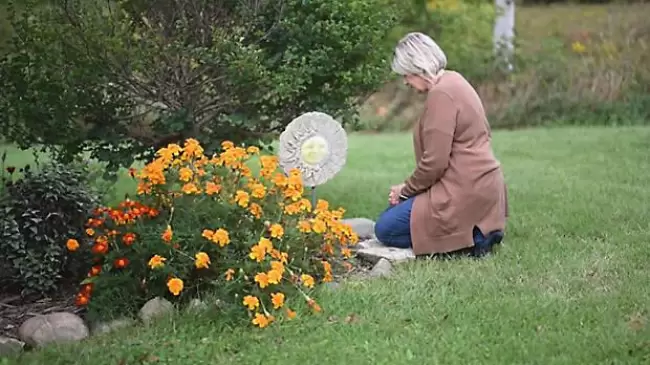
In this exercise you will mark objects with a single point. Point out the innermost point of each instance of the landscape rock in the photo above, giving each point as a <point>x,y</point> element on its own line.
<point>10,346</point>
<point>56,327</point>
<point>106,327</point>
<point>373,251</point>
<point>363,227</point>
<point>155,308</point>
<point>382,268</point>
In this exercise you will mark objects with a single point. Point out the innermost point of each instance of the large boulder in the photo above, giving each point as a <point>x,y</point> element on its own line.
<point>56,327</point>
<point>155,308</point>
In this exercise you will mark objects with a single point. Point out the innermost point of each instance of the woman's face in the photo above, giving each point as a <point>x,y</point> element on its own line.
<point>417,82</point>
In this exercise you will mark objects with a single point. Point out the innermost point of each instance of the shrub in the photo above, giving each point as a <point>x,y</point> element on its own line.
<point>40,211</point>
<point>244,233</point>
<point>142,74</point>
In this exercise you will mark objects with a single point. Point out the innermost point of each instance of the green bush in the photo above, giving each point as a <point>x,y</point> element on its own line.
<point>120,79</point>
<point>40,211</point>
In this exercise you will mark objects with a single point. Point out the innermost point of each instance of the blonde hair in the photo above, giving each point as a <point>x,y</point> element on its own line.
<point>418,54</point>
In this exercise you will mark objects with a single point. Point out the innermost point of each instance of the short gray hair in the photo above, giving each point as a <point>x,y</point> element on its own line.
<point>418,54</point>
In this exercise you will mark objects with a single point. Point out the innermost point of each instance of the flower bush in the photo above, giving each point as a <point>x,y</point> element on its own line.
<point>232,224</point>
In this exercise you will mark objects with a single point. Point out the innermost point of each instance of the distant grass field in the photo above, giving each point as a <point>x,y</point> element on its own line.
<point>569,285</point>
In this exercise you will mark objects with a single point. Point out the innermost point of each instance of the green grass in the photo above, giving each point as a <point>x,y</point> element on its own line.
<point>569,285</point>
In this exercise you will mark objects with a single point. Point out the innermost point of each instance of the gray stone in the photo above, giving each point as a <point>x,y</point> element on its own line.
<point>106,327</point>
<point>155,308</point>
<point>10,346</point>
<point>363,227</point>
<point>382,268</point>
<point>57,327</point>
<point>373,251</point>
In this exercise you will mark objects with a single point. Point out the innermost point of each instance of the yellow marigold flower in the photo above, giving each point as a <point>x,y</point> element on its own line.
<point>168,234</point>
<point>322,206</point>
<point>175,286</point>
<point>290,314</point>
<point>258,191</point>
<point>304,226</point>
<point>221,237</point>
<point>346,252</point>
<point>318,226</point>
<point>262,279</point>
<point>293,193</point>
<point>242,198</point>
<point>190,188</point>
<point>192,148</point>
<point>72,245</point>
<point>185,174</point>
<point>274,276</point>
<point>229,274</point>
<point>277,231</point>
<point>257,253</point>
<point>282,256</point>
<point>251,302</point>
<point>212,188</point>
<point>307,280</point>
<point>90,232</point>
<point>280,180</point>
<point>253,150</point>
<point>207,234</point>
<point>266,244</point>
<point>245,171</point>
<point>261,320</point>
<point>156,262</point>
<point>202,260</point>
<point>256,210</point>
<point>292,209</point>
<point>226,145</point>
<point>278,300</point>
<point>168,153</point>
<point>278,266</point>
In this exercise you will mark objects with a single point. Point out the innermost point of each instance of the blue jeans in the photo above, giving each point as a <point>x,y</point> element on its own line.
<point>393,228</point>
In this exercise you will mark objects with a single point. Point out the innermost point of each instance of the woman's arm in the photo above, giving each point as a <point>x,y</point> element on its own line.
<point>437,134</point>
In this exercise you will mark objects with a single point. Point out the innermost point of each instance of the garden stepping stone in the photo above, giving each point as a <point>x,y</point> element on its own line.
<point>156,307</point>
<point>363,227</point>
<point>55,327</point>
<point>373,251</point>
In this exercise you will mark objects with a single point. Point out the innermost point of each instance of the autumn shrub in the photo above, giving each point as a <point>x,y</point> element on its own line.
<point>232,225</point>
<point>41,209</point>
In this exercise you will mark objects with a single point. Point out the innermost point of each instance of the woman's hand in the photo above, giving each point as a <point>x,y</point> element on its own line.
<point>393,195</point>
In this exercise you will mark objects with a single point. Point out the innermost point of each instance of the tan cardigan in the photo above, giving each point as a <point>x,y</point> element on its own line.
<point>458,182</point>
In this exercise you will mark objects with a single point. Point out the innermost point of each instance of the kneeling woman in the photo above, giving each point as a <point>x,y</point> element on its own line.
<point>456,197</point>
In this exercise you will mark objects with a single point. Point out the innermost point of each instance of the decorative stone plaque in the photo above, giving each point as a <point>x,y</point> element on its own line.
<point>316,144</point>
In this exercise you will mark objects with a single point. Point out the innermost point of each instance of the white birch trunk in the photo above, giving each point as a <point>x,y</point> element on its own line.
<point>504,32</point>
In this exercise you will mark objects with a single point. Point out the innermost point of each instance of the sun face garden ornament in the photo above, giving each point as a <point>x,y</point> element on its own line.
<point>316,144</point>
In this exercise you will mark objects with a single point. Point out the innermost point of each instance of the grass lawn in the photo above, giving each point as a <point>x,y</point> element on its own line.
<point>569,285</point>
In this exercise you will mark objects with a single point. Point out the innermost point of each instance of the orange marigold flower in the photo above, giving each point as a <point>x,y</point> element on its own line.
<point>266,244</point>
<point>292,209</point>
<point>290,314</point>
<point>90,232</point>
<point>202,260</point>
<point>261,320</point>
<point>253,150</point>
<point>280,180</point>
<point>256,210</point>
<point>262,279</point>
<point>168,234</point>
<point>307,280</point>
<point>258,191</point>
<point>190,188</point>
<point>121,263</point>
<point>229,274</point>
<point>274,276</point>
<point>226,145</point>
<point>282,256</point>
<point>221,237</point>
<point>322,206</point>
<point>257,253</point>
<point>346,252</point>
<point>185,174</point>
<point>318,226</point>
<point>212,188</point>
<point>242,198</point>
<point>175,286</point>
<point>156,262</point>
<point>251,302</point>
<point>128,238</point>
<point>305,205</point>
<point>72,245</point>
<point>277,265</point>
<point>95,270</point>
<point>278,300</point>
<point>87,289</point>
<point>304,226</point>
<point>276,231</point>
<point>81,300</point>
<point>100,248</point>
<point>207,234</point>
